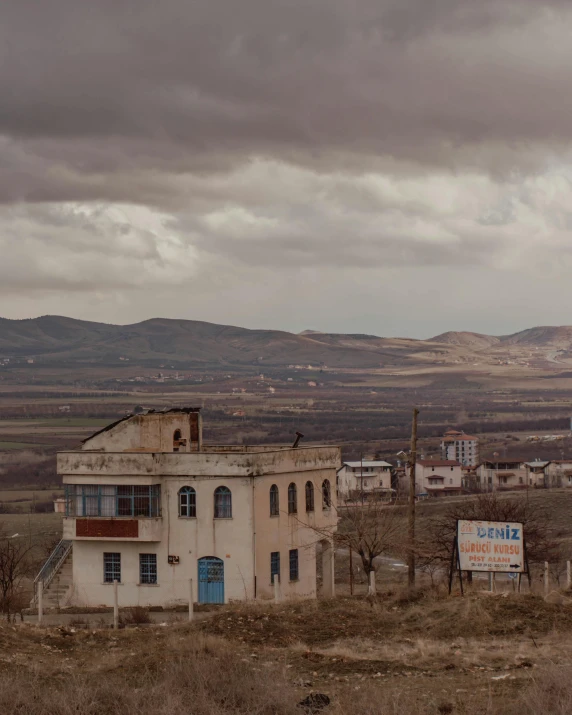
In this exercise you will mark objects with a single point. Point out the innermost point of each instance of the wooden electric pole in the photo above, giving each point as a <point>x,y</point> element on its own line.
<point>411,511</point>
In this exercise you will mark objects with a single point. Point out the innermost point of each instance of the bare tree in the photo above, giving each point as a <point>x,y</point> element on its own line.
<point>370,529</point>
<point>541,535</point>
<point>15,566</point>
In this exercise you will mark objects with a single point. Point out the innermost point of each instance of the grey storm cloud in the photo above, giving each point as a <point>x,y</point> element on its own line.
<point>157,143</point>
<point>173,86</point>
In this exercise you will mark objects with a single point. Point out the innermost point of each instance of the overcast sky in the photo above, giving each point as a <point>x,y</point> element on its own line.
<point>397,167</point>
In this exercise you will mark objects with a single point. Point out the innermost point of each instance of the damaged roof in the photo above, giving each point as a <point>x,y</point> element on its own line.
<point>181,410</point>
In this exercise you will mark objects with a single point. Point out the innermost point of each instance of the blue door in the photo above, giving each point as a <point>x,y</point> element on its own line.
<point>211,580</point>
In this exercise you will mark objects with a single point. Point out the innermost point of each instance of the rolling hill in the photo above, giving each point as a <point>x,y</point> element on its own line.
<point>186,343</point>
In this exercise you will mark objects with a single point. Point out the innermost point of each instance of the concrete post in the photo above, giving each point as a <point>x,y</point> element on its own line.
<point>490,582</point>
<point>546,578</point>
<point>371,584</point>
<point>276,583</point>
<point>191,614</point>
<point>115,605</point>
<point>328,587</point>
<point>41,601</point>
<point>568,574</point>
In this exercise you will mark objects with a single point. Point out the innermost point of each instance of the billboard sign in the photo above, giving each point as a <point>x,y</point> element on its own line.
<point>495,546</point>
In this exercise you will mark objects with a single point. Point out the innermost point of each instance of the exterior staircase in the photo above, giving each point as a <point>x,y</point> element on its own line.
<point>56,577</point>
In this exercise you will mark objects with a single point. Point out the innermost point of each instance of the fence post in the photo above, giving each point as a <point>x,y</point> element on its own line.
<point>546,578</point>
<point>41,601</point>
<point>371,584</point>
<point>568,575</point>
<point>191,614</point>
<point>276,588</point>
<point>115,605</point>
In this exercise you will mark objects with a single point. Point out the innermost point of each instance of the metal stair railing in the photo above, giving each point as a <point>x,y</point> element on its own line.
<point>52,565</point>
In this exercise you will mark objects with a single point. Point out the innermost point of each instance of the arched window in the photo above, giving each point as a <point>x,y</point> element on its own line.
<point>222,503</point>
<point>187,502</point>
<point>309,496</point>
<point>292,499</point>
<point>176,440</point>
<point>274,501</point>
<point>326,494</point>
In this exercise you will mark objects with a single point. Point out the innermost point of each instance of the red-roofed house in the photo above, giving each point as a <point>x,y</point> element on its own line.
<point>437,477</point>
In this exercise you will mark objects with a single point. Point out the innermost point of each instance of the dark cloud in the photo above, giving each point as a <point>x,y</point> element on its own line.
<point>137,86</point>
<point>221,153</point>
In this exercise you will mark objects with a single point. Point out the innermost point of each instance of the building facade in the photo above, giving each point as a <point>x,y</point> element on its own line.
<point>368,477</point>
<point>559,473</point>
<point>437,477</point>
<point>460,447</point>
<point>504,475</point>
<point>149,506</point>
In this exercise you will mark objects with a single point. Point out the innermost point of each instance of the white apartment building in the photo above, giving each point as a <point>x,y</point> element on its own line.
<point>151,507</point>
<point>460,447</point>
<point>437,477</point>
<point>364,477</point>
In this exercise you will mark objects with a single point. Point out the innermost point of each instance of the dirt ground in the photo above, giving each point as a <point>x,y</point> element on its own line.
<point>399,655</point>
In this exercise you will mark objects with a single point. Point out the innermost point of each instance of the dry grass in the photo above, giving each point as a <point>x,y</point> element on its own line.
<point>389,616</point>
<point>271,658</point>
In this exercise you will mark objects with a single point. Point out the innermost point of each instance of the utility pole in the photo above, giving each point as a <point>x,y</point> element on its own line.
<point>411,511</point>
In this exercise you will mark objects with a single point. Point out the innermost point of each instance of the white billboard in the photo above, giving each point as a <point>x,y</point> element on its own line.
<point>490,546</point>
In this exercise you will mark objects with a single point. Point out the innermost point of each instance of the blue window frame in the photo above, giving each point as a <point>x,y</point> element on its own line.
<point>274,501</point>
<point>293,564</point>
<point>187,502</point>
<point>292,499</point>
<point>309,489</point>
<point>111,567</point>
<point>326,494</point>
<point>274,565</point>
<point>222,503</point>
<point>148,568</point>
<point>112,500</point>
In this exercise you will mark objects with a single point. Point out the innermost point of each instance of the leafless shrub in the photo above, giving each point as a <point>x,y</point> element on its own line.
<point>15,565</point>
<point>138,615</point>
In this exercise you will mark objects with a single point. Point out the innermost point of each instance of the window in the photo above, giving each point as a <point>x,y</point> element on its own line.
<point>187,502</point>
<point>112,500</point>
<point>292,499</point>
<point>111,567</point>
<point>222,503</point>
<point>326,494</point>
<point>309,496</point>
<point>176,440</point>
<point>450,481</point>
<point>293,564</point>
<point>147,568</point>
<point>451,468</point>
<point>274,565</point>
<point>274,501</point>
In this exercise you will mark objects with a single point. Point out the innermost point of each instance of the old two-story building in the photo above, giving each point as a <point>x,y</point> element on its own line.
<point>504,475</point>
<point>437,477</point>
<point>150,506</point>
<point>558,473</point>
<point>366,477</point>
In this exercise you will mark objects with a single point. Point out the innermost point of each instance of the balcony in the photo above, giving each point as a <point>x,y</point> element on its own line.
<point>97,528</point>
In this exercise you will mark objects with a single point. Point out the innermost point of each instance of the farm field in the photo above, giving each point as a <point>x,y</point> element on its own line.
<point>35,527</point>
